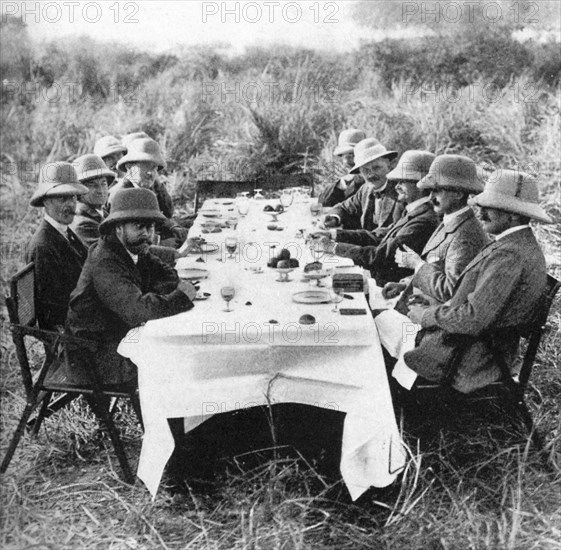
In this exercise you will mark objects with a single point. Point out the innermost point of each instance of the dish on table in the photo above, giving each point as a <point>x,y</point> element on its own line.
<point>312,297</point>
<point>210,213</point>
<point>315,275</point>
<point>202,296</point>
<point>205,248</point>
<point>192,273</point>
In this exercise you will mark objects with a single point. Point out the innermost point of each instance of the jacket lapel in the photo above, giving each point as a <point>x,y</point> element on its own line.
<point>442,231</point>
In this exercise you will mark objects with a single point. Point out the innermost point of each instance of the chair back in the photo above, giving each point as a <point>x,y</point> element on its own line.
<point>533,332</point>
<point>21,301</point>
<point>21,311</point>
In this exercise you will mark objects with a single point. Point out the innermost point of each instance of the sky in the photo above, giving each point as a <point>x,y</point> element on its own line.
<point>164,25</point>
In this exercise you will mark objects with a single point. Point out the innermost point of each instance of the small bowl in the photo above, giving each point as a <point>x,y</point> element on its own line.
<point>283,273</point>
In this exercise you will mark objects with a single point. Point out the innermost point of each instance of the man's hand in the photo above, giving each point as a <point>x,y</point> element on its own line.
<point>392,290</point>
<point>331,221</point>
<point>180,233</point>
<point>416,313</point>
<point>319,234</point>
<point>193,246</point>
<point>407,258</point>
<point>187,288</point>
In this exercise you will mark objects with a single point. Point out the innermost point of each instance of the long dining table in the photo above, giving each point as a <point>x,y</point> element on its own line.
<point>208,361</point>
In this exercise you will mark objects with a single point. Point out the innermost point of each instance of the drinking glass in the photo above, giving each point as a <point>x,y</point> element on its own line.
<point>315,209</point>
<point>337,297</point>
<point>231,245</point>
<point>227,293</point>
<point>258,195</point>
<point>242,204</point>
<point>286,198</point>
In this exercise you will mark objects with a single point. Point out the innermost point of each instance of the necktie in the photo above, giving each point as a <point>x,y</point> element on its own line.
<point>76,244</point>
<point>368,218</point>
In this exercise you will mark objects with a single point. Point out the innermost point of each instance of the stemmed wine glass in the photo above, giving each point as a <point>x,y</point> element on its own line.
<point>227,293</point>
<point>231,246</point>
<point>336,297</point>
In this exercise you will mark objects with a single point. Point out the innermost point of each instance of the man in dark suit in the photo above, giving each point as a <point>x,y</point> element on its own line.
<point>142,162</point>
<point>122,286</point>
<point>348,185</point>
<point>498,290</point>
<point>58,254</point>
<point>413,229</point>
<point>96,176</point>
<point>374,207</point>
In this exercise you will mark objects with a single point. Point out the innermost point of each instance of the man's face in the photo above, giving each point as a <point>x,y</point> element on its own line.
<point>61,209</point>
<point>445,201</point>
<point>494,221</point>
<point>348,159</point>
<point>375,171</point>
<point>111,160</point>
<point>407,191</point>
<point>136,237</point>
<point>98,191</point>
<point>143,173</point>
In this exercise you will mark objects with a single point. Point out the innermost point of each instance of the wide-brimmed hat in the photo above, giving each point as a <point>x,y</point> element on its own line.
<point>452,172</point>
<point>108,145</point>
<point>143,149</point>
<point>92,166</point>
<point>412,166</point>
<point>127,139</point>
<point>57,179</point>
<point>512,191</point>
<point>367,150</point>
<point>347,141</point>
<point>134,204</point>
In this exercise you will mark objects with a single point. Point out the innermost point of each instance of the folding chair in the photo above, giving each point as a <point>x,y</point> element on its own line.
<point>50,378</point>
<point>206,189</point>
<point>509,389</point>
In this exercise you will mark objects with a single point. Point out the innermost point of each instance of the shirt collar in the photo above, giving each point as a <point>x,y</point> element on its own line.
<point>133,256</point>
<point>509,231</point>
<point>448,218</point>
<point>60,227</point>
<point>415,204</point>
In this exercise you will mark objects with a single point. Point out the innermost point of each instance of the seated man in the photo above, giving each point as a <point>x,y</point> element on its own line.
<point>94,174</point>
<point>374,206</point>
<point>122,286</point>
<point>348,185</point>
<point>55,249</point>
<point>141,163</point>
<point>499,290</point>
<point>456,241</point>
<point>110,150</point>
<point>413,229</point>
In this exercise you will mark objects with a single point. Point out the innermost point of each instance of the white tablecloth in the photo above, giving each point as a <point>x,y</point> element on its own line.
<point>207,361</point>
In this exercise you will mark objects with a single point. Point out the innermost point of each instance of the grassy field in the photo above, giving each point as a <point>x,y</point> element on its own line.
<point>471,482</point>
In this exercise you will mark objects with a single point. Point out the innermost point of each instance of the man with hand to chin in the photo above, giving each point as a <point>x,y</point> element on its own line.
<point>498,291</point>
<point>122,286</point>
<point>374,207</point>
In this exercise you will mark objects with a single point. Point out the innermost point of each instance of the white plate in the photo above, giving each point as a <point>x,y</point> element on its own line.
<point>193,273</point>
<point>312,297</point>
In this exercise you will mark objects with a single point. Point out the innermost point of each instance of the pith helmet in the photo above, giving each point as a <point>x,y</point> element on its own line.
<point>412,166</point>
<point>143,149</point>
<point>368,150</point>
<point>136,204</point>
<point>513,191</point>
<point>347,141</point>
<point>91,166</point>
<point>57,179</point>
<point>129,138</point>
<point>452,172</point>
<point>108,145</point>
